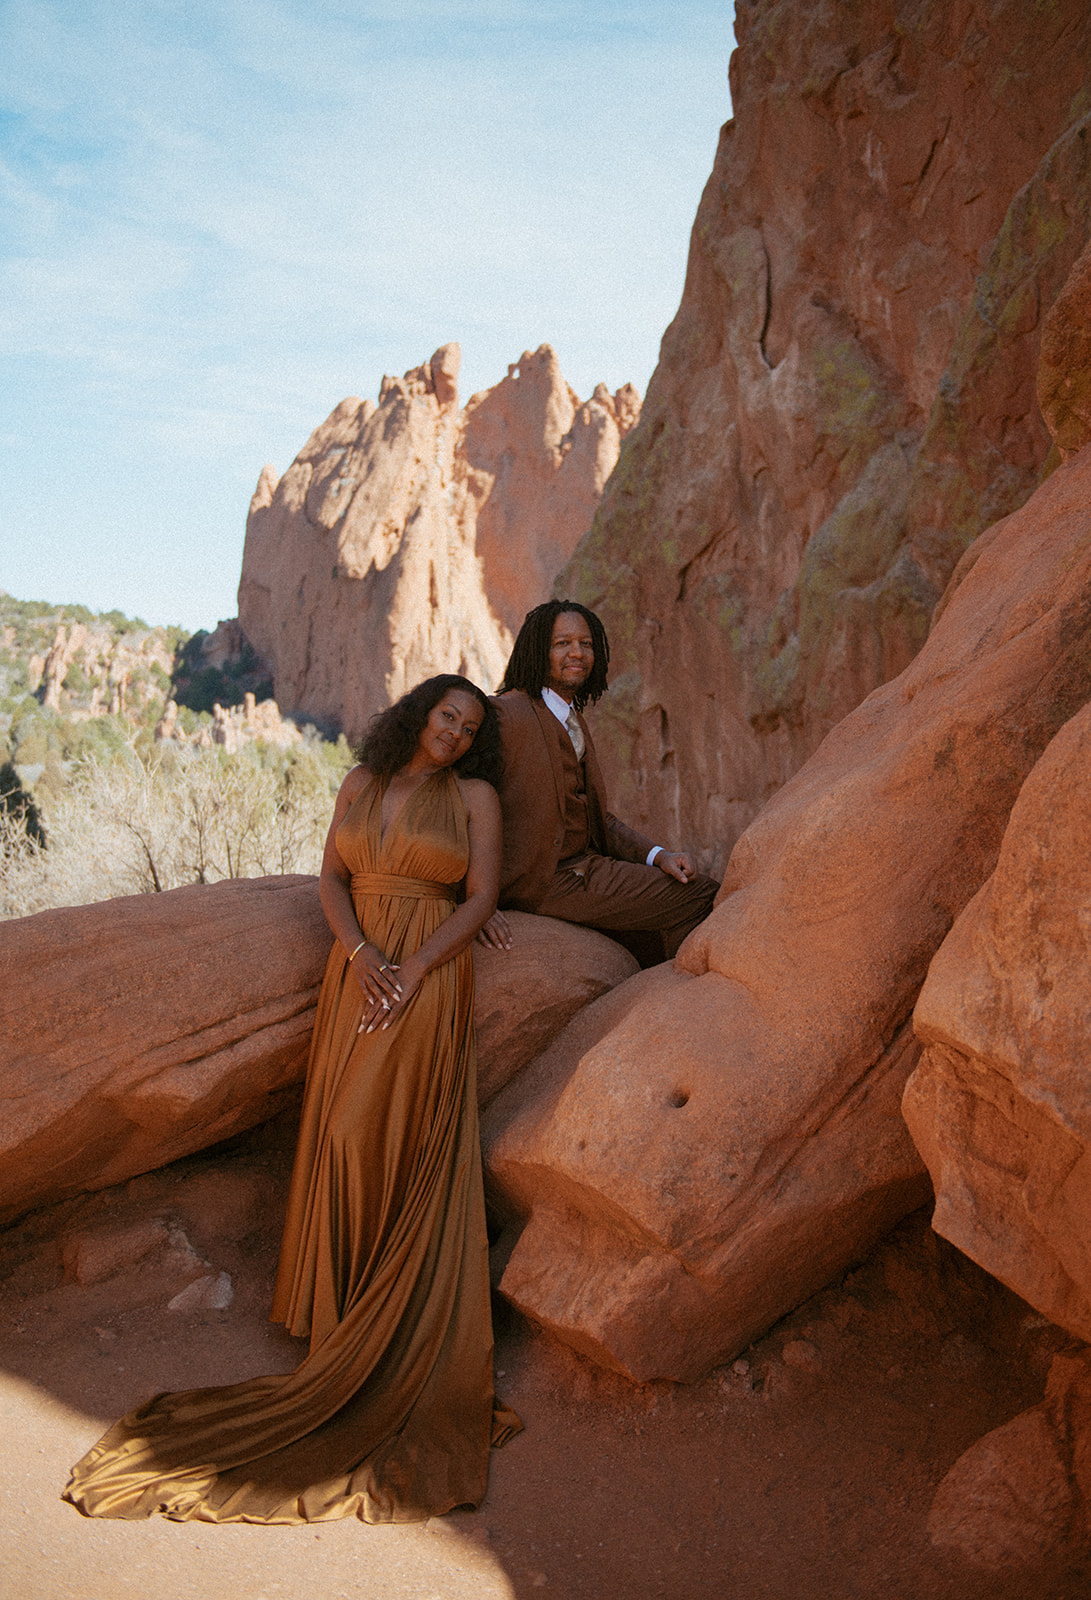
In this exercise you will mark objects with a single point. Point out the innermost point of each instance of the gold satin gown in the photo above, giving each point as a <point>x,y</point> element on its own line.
<point>384,1260</point>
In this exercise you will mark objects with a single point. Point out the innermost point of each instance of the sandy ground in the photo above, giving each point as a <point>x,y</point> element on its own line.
<point>806,1470</point>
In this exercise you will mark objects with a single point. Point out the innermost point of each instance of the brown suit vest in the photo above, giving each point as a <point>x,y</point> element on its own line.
<point>543,811</point>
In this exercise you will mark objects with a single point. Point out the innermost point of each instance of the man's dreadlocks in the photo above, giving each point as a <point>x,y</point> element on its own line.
<point>528,668</point>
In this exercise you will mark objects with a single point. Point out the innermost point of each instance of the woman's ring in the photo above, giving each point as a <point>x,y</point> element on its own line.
<point>382,966</point>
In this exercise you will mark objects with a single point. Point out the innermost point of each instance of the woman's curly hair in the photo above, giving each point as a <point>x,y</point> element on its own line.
<point>392,734</point>
<point>528,667</point>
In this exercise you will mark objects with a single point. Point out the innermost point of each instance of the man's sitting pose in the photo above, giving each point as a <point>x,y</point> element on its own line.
<point>565,855</point>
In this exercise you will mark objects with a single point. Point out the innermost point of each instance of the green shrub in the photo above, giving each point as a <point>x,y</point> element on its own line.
<point>76,680</point>
<point>207,688</point>
<point>30,742</point>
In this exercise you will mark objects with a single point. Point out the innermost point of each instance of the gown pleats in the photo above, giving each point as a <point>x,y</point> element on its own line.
<point>384,1261</point>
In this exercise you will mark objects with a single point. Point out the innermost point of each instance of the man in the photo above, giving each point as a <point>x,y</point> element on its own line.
<point>565,855</point>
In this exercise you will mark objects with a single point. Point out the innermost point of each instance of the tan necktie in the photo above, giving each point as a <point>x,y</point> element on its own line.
<point>575,733</point>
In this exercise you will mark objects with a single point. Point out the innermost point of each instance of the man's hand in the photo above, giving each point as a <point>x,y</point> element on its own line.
<point>496,934</point>
<point>675,863</point>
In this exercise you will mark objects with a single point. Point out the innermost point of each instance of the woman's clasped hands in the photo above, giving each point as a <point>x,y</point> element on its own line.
<point>386,988</point>
<point>379,983</point>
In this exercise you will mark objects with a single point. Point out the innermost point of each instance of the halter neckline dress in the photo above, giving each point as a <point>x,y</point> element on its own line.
<point>384,1261</point>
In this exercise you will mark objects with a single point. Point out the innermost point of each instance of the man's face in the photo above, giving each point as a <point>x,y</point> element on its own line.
<point>571,654</point>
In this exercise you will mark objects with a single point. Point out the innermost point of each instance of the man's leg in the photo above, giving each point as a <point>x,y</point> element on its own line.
<point>623,896</point>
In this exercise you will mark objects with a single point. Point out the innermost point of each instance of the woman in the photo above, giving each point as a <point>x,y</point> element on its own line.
<point>384,1260</point>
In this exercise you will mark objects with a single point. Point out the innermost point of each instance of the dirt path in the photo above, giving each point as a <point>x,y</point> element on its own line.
<point>806,1476</point>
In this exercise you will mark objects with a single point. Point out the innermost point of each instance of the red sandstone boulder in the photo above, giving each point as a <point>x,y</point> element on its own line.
<point>1021,1496</point>
<point>706,1146</point>
<point>846,397</point>
<point>524,996</point>
<point>1000,1105</point>
<point>141,1029</point>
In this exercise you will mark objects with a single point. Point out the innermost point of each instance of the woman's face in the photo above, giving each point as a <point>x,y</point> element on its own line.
<point>450,728</point>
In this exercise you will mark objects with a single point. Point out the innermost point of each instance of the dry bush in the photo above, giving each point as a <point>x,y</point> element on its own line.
<point>126,827</point>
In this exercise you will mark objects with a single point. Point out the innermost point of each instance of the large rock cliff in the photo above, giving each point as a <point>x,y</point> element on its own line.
<point>998,1105</point>
<point>710,1143</point>
<point>410,537</point>
<point>846,397</point>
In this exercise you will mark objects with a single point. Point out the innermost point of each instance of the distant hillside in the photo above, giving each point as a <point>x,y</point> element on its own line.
<point>110,784</point>
<point>75,681</point>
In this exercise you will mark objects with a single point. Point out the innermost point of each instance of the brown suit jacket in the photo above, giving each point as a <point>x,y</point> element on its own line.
<point>532,801</point>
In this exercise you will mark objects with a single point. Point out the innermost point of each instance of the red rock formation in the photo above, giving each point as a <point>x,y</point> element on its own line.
<point>96,666</point>
<point>62,653</point>
<point>408,538</point>
<point>1000,1105</point>
<point>1064,372</point>
<point>227,641</point>
<point>846,396</point>
<point>144,1028</point>
<point>232,726</point>
<point>1021,1496</point>
<point>526,995</point>
<point>532,466</point>
<point>708,1145</point>
<point>141,1029</point>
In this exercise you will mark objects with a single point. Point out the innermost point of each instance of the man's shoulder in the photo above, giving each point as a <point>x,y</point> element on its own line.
<point>524,734</point>
<point>514,705</point>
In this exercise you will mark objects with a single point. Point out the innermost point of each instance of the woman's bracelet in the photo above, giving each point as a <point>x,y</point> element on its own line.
<point>356,952</point>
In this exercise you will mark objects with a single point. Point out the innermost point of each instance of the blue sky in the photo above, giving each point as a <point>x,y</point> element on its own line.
<point>219,218</point>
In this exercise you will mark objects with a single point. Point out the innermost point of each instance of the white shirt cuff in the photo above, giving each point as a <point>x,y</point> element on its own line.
<point>656,849</point>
